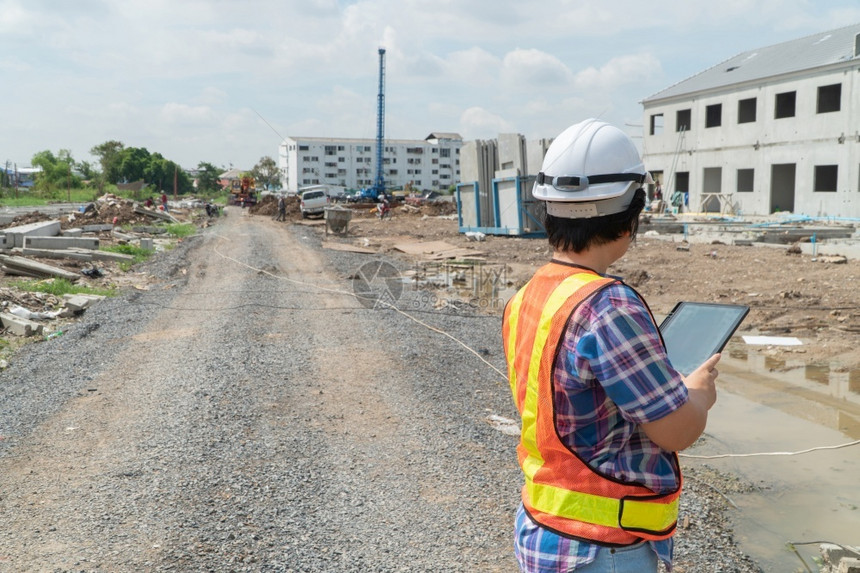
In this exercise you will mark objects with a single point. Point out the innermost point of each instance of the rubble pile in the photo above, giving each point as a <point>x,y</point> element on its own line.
<point>68,246</point>
<point>268,206</point>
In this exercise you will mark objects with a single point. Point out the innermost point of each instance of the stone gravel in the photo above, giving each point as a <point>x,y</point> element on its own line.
<point>276,429</point>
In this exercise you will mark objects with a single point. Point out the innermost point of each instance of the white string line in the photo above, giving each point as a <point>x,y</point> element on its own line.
<point>854,443</point>
<point>502,374</point>
<point>352,294</point>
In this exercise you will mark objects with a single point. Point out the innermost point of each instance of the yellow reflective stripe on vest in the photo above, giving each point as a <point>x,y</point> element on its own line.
<point>634,515</point>
<point>649,516</point>
<point>559,296</point>
<point>513,319</point>
<point>589,508</point>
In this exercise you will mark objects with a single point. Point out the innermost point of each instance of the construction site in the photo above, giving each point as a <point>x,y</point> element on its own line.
<point>783,434</point>
<point>331,393</point>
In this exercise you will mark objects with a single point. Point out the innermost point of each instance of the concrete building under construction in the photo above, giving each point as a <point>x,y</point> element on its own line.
<point>771,129</point>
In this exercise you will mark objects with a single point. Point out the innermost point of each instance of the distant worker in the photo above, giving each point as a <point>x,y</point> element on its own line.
<point>164,201</point>
<point>603,410</point>
<point>148,203</point>
<point>282,209</point>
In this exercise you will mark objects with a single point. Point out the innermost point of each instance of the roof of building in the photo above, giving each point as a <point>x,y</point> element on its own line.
<point>335,140</point>
<point>442,135</point>
<point>807,53</point>
<point>232,174</point>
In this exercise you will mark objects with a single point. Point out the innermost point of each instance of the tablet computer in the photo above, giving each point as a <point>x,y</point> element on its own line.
<point>695,331</point>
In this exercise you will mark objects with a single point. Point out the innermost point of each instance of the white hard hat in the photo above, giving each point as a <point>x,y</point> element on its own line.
<point>591,169</point>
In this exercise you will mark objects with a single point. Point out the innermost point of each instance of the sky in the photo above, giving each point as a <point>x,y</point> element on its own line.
<point>224,81</point>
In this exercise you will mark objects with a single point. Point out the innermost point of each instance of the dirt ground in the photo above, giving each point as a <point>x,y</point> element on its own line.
<point>790,294</point>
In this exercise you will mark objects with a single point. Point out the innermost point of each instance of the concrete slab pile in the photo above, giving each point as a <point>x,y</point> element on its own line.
<point>21,266</point>
<point>839,558</point>
<point>20,326</point>
<point>14,236</point>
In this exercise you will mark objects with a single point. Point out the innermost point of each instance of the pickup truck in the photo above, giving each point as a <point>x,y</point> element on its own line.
<point>313,203</point>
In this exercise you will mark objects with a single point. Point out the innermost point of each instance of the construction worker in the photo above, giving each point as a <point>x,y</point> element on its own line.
<point>603,411</point>
<point>282,209</point>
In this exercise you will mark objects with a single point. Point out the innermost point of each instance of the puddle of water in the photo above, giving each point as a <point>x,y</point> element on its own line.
<point>773,405</point>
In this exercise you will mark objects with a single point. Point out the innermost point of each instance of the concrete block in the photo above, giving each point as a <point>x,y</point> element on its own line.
<point>15,235</point>
<point>832,553</point>
<point>20,326</point>
<point>61,242</point>
<point>57,254</point>
<point>535,152</point>
<point>73,232</point>
<point>96,228</point>
<point>77,303</point>
<point>512,153</point>
<point>849,565</point>
<point>147,243</point>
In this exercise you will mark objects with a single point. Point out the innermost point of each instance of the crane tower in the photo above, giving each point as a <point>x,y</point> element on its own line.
<point>379,181</point>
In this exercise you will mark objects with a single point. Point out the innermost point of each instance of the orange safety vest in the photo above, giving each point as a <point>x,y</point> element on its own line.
<point>562,492</point>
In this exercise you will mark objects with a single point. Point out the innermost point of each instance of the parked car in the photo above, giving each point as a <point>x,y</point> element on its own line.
<point>313,203</point>
<point>424,198</point>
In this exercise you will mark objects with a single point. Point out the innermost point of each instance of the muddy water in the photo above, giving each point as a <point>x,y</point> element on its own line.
<point>768,406</point>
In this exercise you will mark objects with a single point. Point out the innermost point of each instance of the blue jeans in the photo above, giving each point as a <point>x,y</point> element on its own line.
<point>634,559</point>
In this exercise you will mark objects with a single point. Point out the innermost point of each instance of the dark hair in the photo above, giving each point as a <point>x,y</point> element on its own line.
<point>578,235</point>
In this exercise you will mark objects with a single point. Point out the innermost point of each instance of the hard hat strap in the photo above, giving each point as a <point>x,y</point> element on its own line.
<point>575,183</point>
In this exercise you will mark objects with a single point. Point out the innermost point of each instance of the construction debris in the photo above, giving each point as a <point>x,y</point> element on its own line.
<point>28,268</point>
<point>71,239</point>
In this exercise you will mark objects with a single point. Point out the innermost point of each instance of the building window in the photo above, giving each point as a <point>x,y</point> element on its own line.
<point>785,104</point>
<point>444,153</point>
<point>829,98</point>
<point>303,147</point>
<point>714,115</point>
<point>682,120</point>
<point>656,124</point>
<point>682,181</point>
<point>746,110</point>
<point>825,178</point>
<point>746,180</point>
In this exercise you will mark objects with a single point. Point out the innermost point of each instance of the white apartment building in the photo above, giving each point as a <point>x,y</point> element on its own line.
<point>771,129</point>
<point>429,164</point>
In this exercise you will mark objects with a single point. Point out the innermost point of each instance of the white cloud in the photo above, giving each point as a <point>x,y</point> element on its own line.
<point>618,73</point>
<point>184,115</point>
<point>188,77</point>
<point>534,69</point>
<point>478,123</point>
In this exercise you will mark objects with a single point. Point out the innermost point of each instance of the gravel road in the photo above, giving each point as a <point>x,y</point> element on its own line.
<point>248,413</point>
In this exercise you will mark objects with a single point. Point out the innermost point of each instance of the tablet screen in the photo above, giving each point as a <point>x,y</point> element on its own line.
<point>695,331</point>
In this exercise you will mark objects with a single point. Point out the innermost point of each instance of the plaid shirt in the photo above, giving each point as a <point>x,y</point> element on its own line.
<point>611,375</point>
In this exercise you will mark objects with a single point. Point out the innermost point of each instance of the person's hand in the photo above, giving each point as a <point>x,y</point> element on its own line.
<point>701,382</point>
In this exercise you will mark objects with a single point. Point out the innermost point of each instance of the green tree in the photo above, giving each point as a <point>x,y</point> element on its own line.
<point>86,170</point>
<point>266,173</point>
<point>207,177</point>
<point>109,154</point>
<point>56,171</point>
<point>133,162</point>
